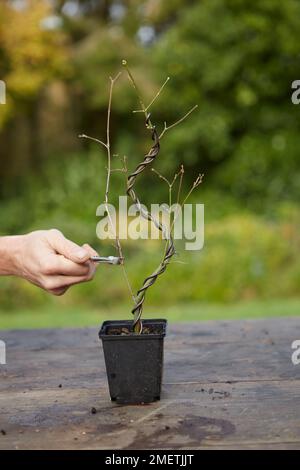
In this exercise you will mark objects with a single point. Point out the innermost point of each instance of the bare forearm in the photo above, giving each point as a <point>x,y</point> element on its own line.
<point>9,253</point>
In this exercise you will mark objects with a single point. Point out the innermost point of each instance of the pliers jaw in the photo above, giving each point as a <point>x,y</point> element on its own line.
<point>107,259</point>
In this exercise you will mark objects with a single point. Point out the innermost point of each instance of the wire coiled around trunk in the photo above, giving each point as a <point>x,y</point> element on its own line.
<point>170,248</point>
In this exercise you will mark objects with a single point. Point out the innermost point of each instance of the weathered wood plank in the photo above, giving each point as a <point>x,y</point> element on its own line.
<point>189,416</point>
<point>208,331</point>
<point>218,362</point>
<point>226,385</point>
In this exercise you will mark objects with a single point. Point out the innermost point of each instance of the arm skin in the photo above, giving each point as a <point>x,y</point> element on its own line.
<point>47,259</point>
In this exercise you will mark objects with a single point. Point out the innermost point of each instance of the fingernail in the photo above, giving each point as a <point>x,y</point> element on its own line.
<point>80,254</point>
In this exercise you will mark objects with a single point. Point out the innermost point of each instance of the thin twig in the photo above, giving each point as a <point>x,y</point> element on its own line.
<point>175,177</point>
<point>124,169</point>
<point>132,80</point>
<point>167,128</point>
<point>181,172</point>
<point>109,171</point>
<point>154,99</point>
<point>161,176</point>
<point>84,136</point>
<point>119,247</point>
<point>196,183</point>
<point>170,186</point>
<point>118,244</point>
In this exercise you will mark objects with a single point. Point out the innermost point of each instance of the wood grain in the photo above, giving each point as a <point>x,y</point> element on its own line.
<point>227,385</point>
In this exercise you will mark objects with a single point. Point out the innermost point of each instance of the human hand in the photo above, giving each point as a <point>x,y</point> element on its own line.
<point>49,260</point>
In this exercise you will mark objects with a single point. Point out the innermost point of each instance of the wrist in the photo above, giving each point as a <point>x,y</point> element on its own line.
<point>10,255</point>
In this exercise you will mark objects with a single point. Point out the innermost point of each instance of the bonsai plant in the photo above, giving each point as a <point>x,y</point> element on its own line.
<point>133,349</point>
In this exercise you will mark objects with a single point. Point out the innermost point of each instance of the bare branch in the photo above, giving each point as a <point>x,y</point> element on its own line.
<point>161,177</point>
<point>118,244</point>
<point>83,136</point>
<point>181,172</point>
<point>166,128</point>
<point>109,170</point>
<point>195,184</point>
<point>154,99</point>
<point>178,262</point>
<point>175,177</point>
<point>124,169</point>
<point>170,184</point>
<point>143,107</point>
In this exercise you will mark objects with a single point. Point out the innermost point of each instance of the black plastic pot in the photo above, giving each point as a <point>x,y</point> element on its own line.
<point>134,362</point>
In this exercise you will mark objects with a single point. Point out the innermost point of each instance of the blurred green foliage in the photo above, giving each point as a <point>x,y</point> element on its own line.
<point>57,315</point>
<point>237,60</point>
<point>234,58</point>
<point>245,256</point>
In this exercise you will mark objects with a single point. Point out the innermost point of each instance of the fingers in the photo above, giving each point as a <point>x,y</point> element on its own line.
<point>58,285</point>
<point>63,272</point>
<point>67,248</point>
<point>50,261</point>
<point>90,250</point>
<point>59,291</point>
<point>58,264</point>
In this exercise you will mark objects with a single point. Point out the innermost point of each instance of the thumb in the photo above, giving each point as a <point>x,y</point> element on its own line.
<point>67,248</point>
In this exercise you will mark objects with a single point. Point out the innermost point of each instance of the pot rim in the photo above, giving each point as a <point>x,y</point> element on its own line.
<point>104,336</point>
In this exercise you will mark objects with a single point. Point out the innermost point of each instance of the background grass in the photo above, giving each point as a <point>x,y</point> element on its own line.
<point>59,316</point>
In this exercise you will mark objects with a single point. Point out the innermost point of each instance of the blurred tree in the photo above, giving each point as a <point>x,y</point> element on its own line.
<point>234,58</point>
<point>237,60</point>
<point>31,55</point>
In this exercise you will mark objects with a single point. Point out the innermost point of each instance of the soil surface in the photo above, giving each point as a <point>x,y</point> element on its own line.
<point>124,330</point>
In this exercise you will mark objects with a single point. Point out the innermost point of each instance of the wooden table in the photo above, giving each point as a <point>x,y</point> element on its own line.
<point>227,385</point>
